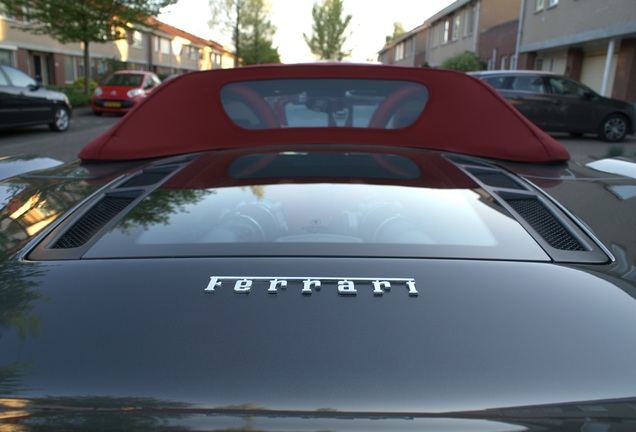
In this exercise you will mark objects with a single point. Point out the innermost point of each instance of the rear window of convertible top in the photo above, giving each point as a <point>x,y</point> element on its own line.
<point>297,103</point>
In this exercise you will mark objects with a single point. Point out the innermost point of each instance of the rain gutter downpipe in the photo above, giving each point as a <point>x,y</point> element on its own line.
<point>608,66</point>
<point>522,14</point>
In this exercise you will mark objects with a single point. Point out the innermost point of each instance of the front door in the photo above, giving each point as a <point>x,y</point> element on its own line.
<point>41,68</point>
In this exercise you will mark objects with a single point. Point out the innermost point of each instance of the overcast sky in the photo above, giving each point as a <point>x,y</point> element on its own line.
<point>371,22</point>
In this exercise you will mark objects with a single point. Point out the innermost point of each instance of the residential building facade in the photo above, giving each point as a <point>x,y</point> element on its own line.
<point>157,47</point>
<point>459,27</point>
<point>591,41</point>
<point>497,45</point>
<point>408,49</point>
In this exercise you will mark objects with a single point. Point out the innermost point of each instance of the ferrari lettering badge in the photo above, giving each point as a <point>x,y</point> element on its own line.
<point>307,285</point>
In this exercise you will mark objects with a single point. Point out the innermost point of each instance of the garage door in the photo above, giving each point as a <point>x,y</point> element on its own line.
<point>593,69</point>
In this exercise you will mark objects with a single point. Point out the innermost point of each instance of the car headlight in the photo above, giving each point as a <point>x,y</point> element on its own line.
<point>135,92</point>
<point>97,92</point>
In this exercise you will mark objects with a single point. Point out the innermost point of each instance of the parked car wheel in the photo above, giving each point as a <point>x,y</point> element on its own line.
<point>613,128</point>
<point>62,120</point>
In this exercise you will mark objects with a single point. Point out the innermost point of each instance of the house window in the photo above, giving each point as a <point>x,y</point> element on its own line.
<point>6,57</point>
<point>26,12</point>
<point>69,69</point>
<point>539,5</point>
<point>447,31</point>
<point>99,69</point>
<point>408,48</point>
<point>552,3</point>
<point>136,39</point>
<point>165,45</point>
<point>399,52</point>
<point>469,18</point>
<point>162,45</point>
<point>455,31</point>
<point>193,53</point>
<point>18,13</point>
<point>4,11</point>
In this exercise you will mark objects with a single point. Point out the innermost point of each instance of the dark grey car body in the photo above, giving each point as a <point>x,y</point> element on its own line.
<point>95,335</point>
<point>557,103</point>
<point>318,286</point>
<point>24,102</point>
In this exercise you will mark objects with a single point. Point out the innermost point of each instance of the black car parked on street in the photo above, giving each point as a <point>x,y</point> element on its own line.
<point>25,102</point>
<point>557,103</point>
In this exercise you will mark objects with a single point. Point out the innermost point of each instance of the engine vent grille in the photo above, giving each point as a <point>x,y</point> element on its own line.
<point>544,222</point>
<point>498,180</point>
<point>92,221</point>
<point>494,178</point>
<point>148,177</point>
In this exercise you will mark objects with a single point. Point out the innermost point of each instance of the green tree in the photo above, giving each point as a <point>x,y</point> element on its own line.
<point>229,16</point>
<point>257,35</point>
<point>464,62</point>
<point>85,21</point>
<point>250,26</point>
<point>328,30</point>
<point>398,30</point>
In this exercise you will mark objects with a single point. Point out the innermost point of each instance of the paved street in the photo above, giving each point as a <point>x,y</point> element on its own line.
<point>64,146</point>
<point>39,140</point>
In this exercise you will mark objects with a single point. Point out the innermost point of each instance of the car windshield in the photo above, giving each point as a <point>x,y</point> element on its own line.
<point>127,80</point>
<point>324,103</point>
<point>19,78</point>
<point>351,203</point>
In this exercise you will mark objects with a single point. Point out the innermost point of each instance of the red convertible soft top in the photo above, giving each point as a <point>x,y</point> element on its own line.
<point>325,104</point>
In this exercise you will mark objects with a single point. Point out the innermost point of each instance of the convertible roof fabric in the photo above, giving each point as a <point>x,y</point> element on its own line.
<point>463,115</point>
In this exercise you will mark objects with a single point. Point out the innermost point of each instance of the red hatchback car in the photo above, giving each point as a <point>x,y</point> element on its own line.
<point>122,90</point>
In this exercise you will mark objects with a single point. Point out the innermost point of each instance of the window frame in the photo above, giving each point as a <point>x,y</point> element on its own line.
<point>446,31</point>
<point>469,18</point>
<point>136,39</point>
<point>455,27</point>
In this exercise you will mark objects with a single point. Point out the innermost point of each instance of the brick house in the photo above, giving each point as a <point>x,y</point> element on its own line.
<point>591,41</point>
<point>160,48</point>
